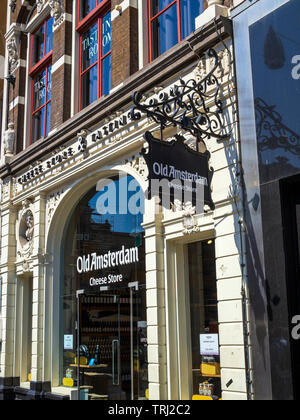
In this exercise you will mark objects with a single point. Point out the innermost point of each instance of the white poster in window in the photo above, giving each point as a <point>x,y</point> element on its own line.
<point>68,342</point>
<point>209,345</point>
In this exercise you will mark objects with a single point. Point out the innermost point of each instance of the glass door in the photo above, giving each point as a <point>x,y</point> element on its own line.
<point>111,362</point>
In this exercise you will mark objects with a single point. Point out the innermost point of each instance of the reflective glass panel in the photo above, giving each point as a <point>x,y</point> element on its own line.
<point>159,5</point>
<point>275,61</point>
<point>48,119</point>
<point>164,32</point>
<point>42,41</point>
<point>49,35</point>
<point>106,75</point>
<point>89,86</point>
<point>49,83</point>
<point>38,45</point>
<point>190,9</point>
<point>38,125</point>
<point>89,47</point>
<point>87,6</point>
<point>39,89</point>
<point>106,34</point>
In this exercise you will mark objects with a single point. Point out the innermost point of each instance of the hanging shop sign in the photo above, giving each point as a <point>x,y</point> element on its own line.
<point>177,172</point>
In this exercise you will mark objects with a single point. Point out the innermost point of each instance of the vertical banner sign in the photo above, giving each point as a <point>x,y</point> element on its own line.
<point>178,172</point>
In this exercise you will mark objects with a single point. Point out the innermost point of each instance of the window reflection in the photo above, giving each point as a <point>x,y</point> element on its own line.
<point>170,22</point>
<point>274,53</point>
<point>95,66</point>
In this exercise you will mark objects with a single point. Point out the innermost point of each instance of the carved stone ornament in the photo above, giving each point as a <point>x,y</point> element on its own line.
<point>138,163</point>
<point>56,8</point>
<point>12,51</point>
<point>56,11</point>
<point>26,232</point>
<point>9,140</point>
<point>52,203</point>
<point>190,224</point>
<point>13,4</point>
<point>40,5</point>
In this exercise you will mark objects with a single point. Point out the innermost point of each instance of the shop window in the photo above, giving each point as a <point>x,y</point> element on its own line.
<point>170,21</point>
<point>204,320</point>
<point>94,29</point>
<point>110,310</point>
<point>40,73</point>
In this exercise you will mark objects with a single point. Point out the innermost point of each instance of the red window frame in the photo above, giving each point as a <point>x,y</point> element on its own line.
<point>36,69</point>
<point>151,19</point>
<point>97,14</point>
<point>95,11</point>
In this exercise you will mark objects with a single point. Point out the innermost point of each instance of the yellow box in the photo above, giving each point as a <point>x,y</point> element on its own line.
<point>68,382</point>
<point>208,369</point>
<point>82,361</point>
<point>201,398</point>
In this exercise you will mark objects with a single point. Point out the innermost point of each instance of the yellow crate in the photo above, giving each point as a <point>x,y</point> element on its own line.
<point>201,398</point>
<point>68,382</point>
<point>212,369</point>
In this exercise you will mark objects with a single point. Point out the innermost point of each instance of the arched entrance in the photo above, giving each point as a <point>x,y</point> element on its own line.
<point>103,293</point>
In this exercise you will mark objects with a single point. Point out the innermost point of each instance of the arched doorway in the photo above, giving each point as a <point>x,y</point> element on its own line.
<point>103,293</point>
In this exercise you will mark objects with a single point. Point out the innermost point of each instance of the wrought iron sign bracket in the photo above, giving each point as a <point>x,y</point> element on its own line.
<point>193,106</point>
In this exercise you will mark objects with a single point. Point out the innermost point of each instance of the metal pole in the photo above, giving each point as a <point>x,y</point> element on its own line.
<point>78,294</point>
<point>131,342</point>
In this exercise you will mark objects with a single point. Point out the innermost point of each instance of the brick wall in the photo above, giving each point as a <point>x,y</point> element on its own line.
<point>61,74</point>
<point>124,44</point>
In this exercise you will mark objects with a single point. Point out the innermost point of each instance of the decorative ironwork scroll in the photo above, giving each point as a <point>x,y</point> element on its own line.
<point>193,106</point>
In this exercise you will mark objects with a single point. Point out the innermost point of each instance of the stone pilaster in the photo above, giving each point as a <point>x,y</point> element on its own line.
<point>8,276</point>
<point>156,321</point>
<point>38,290</point>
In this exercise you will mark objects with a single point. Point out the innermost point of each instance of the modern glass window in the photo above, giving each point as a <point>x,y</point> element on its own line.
<point>170,21</point>
<point>95,50</point>
<point>40,73</point>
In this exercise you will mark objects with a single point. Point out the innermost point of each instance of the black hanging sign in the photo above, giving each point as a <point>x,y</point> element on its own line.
<point>178,172</point>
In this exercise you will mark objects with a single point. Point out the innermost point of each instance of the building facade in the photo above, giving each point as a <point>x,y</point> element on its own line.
<point>266,47</point>
<point>143,301</point>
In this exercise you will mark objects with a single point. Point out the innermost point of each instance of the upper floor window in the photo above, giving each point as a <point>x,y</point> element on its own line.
<point>94,29</point>
<point>40,73</point>
<point>87,6</point>
<point>170,21</point>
